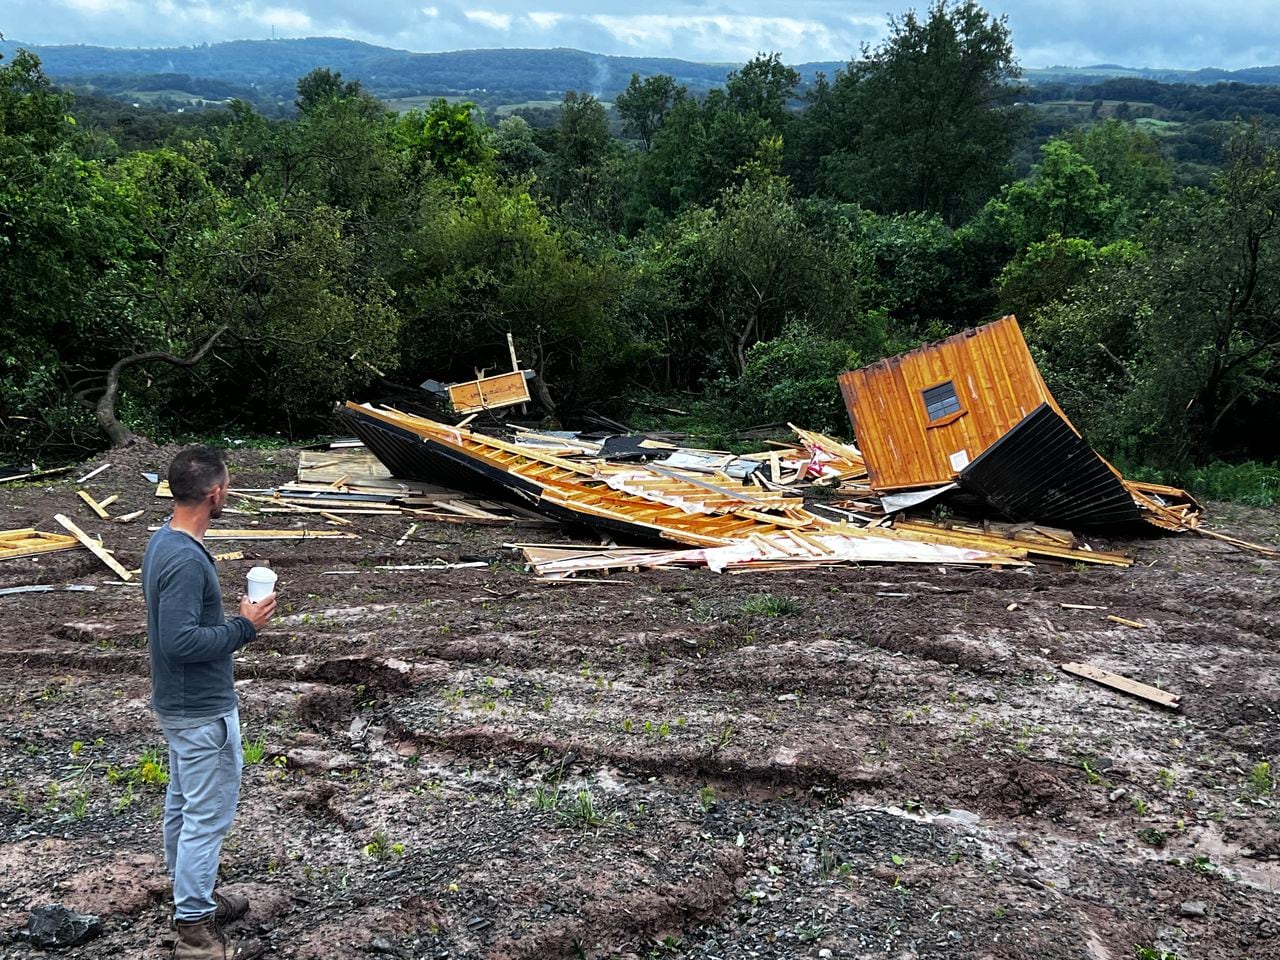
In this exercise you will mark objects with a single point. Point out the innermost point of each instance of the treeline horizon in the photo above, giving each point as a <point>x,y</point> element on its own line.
<point>726,254</point>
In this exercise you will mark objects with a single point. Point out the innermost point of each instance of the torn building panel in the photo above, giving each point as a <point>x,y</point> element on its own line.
<point>974,410</point>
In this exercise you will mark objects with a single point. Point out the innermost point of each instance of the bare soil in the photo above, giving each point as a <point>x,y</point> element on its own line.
<point>473,763</point>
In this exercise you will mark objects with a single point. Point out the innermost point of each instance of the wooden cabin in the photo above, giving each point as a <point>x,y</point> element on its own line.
<point>973,410</point>
<point>922,417</point>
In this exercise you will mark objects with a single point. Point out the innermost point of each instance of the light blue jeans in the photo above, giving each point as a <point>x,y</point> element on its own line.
<point>204,787</point>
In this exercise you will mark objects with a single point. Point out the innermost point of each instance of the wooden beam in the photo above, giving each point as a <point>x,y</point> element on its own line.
<point>94,547</point>
<point>1116,682</point>
<point>93,473</point>
<point>1135,624</point>
<point>94,505</point>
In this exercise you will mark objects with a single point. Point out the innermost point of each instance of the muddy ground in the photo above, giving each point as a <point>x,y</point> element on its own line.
<point>875,762</point>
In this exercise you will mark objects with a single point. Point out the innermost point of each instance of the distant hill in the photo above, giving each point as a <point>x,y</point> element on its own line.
<point>267,70</point>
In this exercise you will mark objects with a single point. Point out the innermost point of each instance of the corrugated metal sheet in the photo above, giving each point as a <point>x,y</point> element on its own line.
<point>995,380</point>
<point>1043,470</point>
<point>407,455</point>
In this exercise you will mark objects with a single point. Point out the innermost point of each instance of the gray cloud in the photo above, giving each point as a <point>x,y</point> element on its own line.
<point>1187,34</point>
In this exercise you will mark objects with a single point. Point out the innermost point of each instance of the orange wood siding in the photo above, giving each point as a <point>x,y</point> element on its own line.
<point>996,382</point>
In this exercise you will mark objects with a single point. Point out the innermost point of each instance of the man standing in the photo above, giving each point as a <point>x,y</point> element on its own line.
<point>194,698</point>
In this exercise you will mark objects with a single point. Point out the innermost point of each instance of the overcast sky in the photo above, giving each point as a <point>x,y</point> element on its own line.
<point>1154,33</point>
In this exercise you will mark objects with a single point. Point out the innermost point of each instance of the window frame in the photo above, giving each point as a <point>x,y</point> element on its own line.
<point>951,407</point>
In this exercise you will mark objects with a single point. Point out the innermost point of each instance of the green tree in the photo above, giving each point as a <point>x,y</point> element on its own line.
<point>1128,162</point>
<point>762,88</point>
<point>274,293</point>
<point>1189,337</point>
<point>766,267</point>
<point>1063,196</point>
<point>644,104</point>
<point>447,139</point>
<point>493,263</point>
<point>517,154</point>
<point>927,121</point>
<point>61,228</point>
<point>322,86</point>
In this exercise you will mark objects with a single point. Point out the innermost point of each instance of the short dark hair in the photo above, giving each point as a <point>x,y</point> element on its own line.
<point>195,471</point>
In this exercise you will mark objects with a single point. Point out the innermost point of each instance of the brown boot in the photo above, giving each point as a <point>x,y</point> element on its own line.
<point>231,906</point>
<point>202,940</point>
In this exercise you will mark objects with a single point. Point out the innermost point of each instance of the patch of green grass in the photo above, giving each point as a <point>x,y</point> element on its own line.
<point>581,811</point>
<point>1261,781</point>
<point>255,750</point>
<point>152,770</point>
<point>381,847</point>
<point>768,605</point>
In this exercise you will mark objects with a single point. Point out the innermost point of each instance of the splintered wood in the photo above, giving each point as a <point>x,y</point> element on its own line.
<point>735,512</point>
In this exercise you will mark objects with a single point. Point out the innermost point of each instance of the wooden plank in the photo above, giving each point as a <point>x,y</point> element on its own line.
<point>109,501</point>
<point>128,517</point>
<point>279,535</point>
<point>488,393</point>
<point>93,473</point>
<point>1080,606</point>
<point>27,542</point>
<point>1116,682</point>
<point>1135,624</point>
<point>95,548</point>
<point>35,474</point>
<point>251,534</point>
<point>94,505</point>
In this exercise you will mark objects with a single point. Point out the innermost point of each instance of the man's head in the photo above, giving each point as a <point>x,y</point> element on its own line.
<point>198,477</point>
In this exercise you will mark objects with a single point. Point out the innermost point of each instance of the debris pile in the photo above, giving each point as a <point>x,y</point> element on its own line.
<point>733,524</point>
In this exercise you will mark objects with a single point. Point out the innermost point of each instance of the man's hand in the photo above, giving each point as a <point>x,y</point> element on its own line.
<point>258,613</point>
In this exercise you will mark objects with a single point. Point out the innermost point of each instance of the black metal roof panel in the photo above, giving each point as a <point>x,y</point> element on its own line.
<point>1042,470</point>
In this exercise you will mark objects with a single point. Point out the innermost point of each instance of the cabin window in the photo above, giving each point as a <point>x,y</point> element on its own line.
<point>941,401</point>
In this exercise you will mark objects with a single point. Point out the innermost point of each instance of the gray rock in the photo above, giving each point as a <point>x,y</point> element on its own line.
<point>54,927</point>
<point>1192,908</point>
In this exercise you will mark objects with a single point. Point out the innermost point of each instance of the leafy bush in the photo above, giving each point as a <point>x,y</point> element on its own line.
<point>1255,484</point>
<point>788,380</point>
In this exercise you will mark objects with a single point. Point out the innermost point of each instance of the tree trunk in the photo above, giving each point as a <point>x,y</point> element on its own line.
<point>104,411</point>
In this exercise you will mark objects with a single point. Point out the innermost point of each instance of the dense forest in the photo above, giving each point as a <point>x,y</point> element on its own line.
<point>725,253</point>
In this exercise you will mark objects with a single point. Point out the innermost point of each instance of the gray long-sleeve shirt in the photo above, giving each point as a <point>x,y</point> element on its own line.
<point>190,639</point>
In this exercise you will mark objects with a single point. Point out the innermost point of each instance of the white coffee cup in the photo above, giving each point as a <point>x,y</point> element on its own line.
<point>262,581</point>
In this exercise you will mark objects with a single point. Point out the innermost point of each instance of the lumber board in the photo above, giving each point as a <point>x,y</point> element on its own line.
<point>95,548</point>
<point>250,534</point>
<point>28,542</point>
<point>94,505</point>
<point>1135,624</point>
<point>34,474</point>
<point>93,473</point>
<point>1116,682</point>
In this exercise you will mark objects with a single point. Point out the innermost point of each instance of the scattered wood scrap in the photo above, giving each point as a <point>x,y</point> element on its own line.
<point>34,474</point>
<point>1124,622</point>
<point>278,535</point>
<point>94,505</point>
<point>1116,682</point>
<point>48,589</point>
<point>29,542</point>
<point>95,548</point>
<point>93,473</point>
